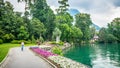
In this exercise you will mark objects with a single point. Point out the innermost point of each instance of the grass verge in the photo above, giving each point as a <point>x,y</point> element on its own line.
<point>4,48</point>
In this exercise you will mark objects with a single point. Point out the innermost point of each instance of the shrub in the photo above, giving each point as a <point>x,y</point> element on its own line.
<point>33,39</point>
<point>15,42</point>
<point>57,50</point>
<point>1,41</point>
<point>8,37</point>
<point>19,41</point>
<point>60,43</point>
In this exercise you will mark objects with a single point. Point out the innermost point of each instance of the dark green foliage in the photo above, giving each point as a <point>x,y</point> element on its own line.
<point>110,34</point>
<point>19,42</point>
<point>8,37</point>
<point>23,34</point>
<point>102,35</point>
<point>63,6</point>
<point>1,41</point>
<point>64,19</point>
<point>66,32</point>
<point>70,34</point>
<point>92,32</point>
<point>114,28</point>
<point>41,39</point>
<point>42,11</point>
<point>111,38</point>
<point>33,39</point>
<point>10,24</point>
<point>106,37</point>
<point>76,36</point>
<point>37,28</point>
<point>83,22</point>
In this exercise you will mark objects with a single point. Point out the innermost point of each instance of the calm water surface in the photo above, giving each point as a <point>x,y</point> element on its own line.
<point>96,55</point>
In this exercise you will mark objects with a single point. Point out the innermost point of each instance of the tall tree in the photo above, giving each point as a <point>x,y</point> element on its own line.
<point>37,28</point>
<point>102,35</point>
<point>23,34</point>
<point>64,19</point>
<point>66,32</point>
<point>10,23</point>
<point>114,28</point>
<point>76,36</point>
<point>6,17</point>
<point>43,12</point>
<point>92,32</point>
<point>63,6</point>
<point>105,36</point>
<point>83,21</point>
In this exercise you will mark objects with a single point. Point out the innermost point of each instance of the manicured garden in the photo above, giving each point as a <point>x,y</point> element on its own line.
<point>4,48</point>
<point>61,61</point>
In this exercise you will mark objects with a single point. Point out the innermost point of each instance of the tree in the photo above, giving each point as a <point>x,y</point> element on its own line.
<point>63,6</point>
<point>114,28</point>
<point>64,19</point>
<point>102,35</point>
<point>92,32</point>
<point>42,11</point>
<point>23,34</point>
<point>83,22</point>
<point>8,37</point>
<point>105,36</point>
<point>66,32</point>
<point>37,28</point>
<point>76,36</point>
<point>10,22</point>
<point>63,16</point>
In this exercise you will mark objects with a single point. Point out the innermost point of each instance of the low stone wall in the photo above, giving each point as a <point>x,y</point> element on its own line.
<point>62,62</point>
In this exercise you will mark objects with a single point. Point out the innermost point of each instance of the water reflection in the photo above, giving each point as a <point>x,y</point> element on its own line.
<point>96,56</point>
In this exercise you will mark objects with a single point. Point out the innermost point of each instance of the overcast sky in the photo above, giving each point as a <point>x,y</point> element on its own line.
<point>101,11</point>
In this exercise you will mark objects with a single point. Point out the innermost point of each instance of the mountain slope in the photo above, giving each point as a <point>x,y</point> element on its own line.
<point>73,12</point>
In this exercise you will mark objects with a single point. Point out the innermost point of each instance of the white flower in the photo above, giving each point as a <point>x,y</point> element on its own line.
<point>65,62</point>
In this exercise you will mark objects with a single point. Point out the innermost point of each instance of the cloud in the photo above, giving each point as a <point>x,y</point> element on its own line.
<point>106,12</point>
<point>101,11</point>
<point>17,6</point>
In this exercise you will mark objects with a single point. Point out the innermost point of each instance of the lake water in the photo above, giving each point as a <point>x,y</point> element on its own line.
<point>96,55</point>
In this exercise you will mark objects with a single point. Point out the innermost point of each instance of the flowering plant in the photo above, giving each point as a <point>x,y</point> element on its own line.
<point>60,60</point>
<point>43,52</point>
<point>66,63</point>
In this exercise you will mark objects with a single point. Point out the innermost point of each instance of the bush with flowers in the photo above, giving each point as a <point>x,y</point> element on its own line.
<point>60,60</point>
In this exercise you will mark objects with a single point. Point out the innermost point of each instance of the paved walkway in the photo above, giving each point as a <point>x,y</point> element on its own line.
<point>25,59</point>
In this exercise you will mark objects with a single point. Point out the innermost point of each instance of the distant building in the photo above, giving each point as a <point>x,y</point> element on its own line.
<point>94,39</point>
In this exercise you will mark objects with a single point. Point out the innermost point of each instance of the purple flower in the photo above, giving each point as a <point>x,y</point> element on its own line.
<point>42,52</point>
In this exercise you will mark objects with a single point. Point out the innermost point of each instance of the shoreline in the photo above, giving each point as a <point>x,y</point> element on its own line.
<point>68,46</point>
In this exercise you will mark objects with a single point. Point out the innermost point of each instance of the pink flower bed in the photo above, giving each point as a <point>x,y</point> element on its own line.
<point>42,52</point>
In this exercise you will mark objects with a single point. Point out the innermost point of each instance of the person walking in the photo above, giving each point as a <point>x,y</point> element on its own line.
<point>22,46</point>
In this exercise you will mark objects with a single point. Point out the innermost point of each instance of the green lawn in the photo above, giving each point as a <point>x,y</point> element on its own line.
<point>4,48</point>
